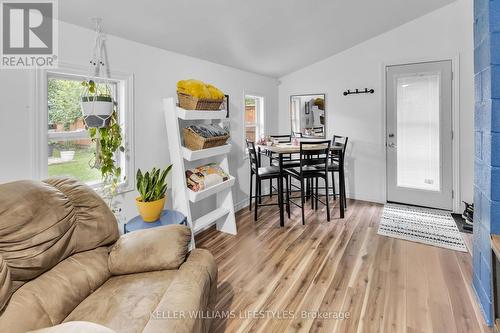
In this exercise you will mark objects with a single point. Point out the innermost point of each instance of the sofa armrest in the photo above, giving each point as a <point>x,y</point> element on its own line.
<point>188,303</point>
<point>150,250</point>
<point>75,327</point>
<point>201,259</point>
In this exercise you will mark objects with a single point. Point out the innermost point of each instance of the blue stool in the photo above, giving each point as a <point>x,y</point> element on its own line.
<point>167,217</point>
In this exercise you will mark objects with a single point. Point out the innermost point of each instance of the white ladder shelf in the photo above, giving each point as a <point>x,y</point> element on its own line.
<point>182,197</point>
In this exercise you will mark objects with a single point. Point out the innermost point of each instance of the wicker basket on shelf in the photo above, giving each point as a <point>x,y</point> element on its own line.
<point>193,141</point>
<point>189,102</point>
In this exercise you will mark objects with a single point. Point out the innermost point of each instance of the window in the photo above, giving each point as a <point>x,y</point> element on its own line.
<point>254,115</point>
<point>65,148</point>
<point>70,150</point>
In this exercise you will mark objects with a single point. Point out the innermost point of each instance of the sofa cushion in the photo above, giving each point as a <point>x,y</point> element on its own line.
<point>150,250</point>
<point>42,223</point>
<point>124,303</point>
<point>75,327</point>
<point>48,299</point>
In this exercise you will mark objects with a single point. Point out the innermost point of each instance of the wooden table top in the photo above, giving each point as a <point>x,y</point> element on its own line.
<point>288,148</point>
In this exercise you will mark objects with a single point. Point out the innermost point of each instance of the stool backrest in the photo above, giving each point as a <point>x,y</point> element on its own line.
<point>287,138</point>
<point>282,138</point>
<point>318,130</point>
<point>252,156</point>
<point>314,154</point>
<point>340,141</point>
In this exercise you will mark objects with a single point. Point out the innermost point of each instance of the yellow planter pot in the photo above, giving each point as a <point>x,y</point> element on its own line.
<point>150,211</point>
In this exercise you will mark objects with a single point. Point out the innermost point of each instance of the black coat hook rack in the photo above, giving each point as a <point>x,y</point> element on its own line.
<point>359,91</point>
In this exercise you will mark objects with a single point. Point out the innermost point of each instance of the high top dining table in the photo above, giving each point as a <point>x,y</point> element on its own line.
<point>281,149</point>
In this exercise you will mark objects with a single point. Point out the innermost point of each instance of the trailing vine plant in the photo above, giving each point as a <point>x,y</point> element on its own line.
<point>108,142</point>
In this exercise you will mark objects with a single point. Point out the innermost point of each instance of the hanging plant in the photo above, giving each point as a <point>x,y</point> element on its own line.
<point>100,113</point>
<point>96,106</point>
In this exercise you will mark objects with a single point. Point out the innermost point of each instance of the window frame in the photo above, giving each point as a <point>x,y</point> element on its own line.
<point>125,92</point>
<point>260,108</point>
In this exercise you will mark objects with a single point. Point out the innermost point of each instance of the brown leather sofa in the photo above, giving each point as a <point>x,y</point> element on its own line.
<point>64,267</point>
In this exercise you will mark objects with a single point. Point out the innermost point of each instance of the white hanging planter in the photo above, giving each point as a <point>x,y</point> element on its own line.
<point>97,110</point>
<point>96,102</point>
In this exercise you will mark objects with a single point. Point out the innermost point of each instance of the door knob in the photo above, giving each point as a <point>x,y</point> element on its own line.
<point>391,135</point>
<point>391,145</point>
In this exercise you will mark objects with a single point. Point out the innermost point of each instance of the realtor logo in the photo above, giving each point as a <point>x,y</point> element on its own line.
<point>28,34</point>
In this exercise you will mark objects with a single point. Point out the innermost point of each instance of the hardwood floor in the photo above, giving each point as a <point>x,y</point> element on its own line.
<point>300,278</point>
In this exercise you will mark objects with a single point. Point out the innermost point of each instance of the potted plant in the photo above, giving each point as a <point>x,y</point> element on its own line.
<point>97,105</point>
<point>50,148</point>
<point>152,187</point>
<point>67,151</point>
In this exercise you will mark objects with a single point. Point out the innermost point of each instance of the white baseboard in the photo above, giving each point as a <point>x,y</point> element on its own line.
<point>244,203</point>
<point>365,198</point>
<point>241,205</point>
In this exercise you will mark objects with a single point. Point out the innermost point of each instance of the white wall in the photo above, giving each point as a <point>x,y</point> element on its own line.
<point>443,34</point>
<point>156,73</point>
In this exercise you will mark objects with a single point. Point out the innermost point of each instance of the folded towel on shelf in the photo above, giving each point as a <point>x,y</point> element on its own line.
<point>205,176</point>
<point>208,130</point>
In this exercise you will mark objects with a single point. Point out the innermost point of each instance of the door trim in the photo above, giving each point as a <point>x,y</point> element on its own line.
<point>455,121</point>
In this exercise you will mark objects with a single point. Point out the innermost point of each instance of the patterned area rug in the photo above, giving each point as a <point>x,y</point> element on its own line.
<point>422,225</point>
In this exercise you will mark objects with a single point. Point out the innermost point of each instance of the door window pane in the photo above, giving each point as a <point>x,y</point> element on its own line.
<point>418,140</point>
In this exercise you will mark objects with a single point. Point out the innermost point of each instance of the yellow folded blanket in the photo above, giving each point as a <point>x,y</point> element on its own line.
<point>199,89</point>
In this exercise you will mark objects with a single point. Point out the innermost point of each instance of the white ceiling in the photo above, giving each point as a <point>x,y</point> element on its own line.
<point>269,37</point>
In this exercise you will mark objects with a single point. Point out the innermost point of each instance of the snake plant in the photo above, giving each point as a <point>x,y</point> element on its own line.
<point>153,184</point>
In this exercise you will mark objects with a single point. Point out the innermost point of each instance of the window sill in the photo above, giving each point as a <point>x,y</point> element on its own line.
<point>100,189</point>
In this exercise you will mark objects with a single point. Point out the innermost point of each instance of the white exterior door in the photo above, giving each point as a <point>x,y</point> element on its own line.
<point>419,134</point>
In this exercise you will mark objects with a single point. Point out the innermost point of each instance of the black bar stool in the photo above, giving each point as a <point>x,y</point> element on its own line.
<point>261,173</point>
<point>333,166</point>
<point>288,160</point>
<point>314,160</point>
